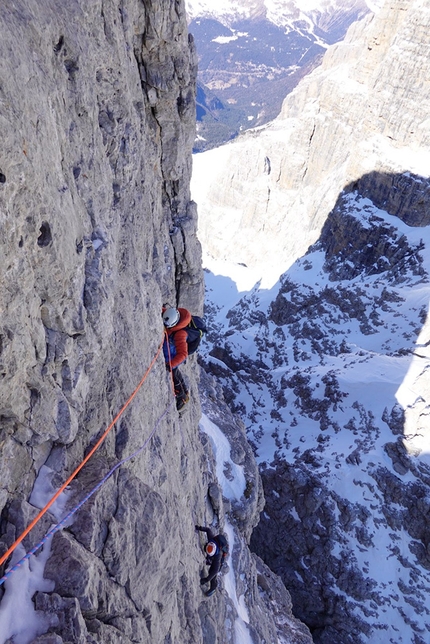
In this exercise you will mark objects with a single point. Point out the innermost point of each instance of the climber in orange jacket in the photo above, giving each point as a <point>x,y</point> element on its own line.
<point>175,349</point>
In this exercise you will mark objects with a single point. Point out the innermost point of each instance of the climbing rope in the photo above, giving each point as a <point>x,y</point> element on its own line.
<point>63,521</point>
<point>85,460</point>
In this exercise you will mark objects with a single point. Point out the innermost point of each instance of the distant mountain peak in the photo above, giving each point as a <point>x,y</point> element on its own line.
<point>280,12</point>
<point>226,11</point>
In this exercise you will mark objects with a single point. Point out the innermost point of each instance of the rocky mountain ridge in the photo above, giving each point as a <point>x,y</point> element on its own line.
<point>328,363</point>
<point>314,366</point>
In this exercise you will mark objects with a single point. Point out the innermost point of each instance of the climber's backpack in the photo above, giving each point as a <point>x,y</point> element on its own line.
<point>223,546</point>
<point>195,331</point>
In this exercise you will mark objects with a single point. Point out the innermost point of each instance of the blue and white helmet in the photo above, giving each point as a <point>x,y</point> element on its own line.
<point>171,317</point>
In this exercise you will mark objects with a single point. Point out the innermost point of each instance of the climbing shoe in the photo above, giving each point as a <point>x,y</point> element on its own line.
<point>210,592</point>
<point>182,400</point>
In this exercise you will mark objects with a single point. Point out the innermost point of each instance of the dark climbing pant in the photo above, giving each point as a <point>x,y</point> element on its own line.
<point>181,391</point>
<point>213,586</point>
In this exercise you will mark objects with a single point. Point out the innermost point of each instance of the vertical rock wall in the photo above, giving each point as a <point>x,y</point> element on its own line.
<point>97,117</point>
<point>93,194</point>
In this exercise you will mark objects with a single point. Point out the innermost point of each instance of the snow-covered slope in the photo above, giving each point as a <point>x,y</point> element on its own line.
<point>329,363</point>
<point>329,370</point>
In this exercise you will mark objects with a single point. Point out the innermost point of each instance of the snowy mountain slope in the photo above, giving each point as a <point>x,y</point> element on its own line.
<point>252,588</point>
<point>329,370</point>
<point>328,365</point>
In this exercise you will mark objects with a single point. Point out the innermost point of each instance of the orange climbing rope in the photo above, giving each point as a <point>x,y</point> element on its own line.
<point>86,459</point>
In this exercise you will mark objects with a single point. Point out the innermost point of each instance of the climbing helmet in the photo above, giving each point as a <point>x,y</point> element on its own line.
<point>171,317</point>
<point>211,548</point>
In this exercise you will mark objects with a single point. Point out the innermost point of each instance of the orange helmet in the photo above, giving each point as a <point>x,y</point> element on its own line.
<point>211,548</point>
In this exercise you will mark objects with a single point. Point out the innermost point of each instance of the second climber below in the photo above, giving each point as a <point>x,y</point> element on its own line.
<point>175,349</point>
<point>216,550</point>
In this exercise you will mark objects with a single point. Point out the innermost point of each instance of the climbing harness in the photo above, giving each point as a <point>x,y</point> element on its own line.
<point>81,465</point>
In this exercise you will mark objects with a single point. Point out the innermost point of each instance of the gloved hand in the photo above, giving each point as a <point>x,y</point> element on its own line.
<point>197,527</point>
<point>168,367</point>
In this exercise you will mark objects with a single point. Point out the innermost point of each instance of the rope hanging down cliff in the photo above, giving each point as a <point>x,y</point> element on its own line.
<point>63,521</point>
<point>85,460</point>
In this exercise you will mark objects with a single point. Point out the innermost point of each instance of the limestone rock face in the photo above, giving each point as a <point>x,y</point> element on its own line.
<point>274,186</point>
<point>97,119</point>
<point>87,210</point>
